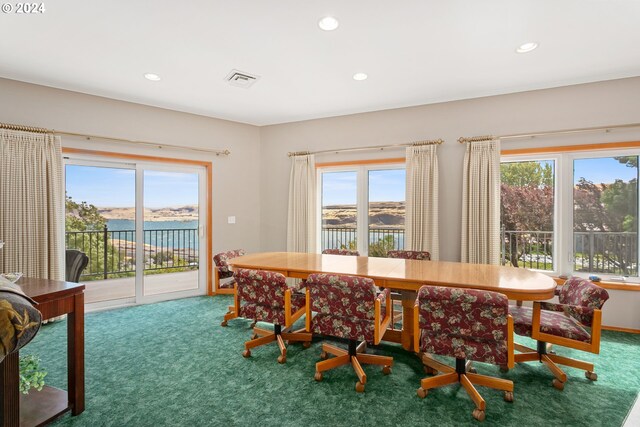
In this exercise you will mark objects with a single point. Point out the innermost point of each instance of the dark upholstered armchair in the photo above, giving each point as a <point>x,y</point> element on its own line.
<point>466,324</point>
<point>75,263</point>
<point>575,323</point>
<point>348,307</point>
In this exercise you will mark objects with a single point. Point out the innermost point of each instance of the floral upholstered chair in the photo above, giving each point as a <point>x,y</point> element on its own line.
<point>348,307</point>
<point>348,252</point>
<point>265,296</point>
<point>396,297</point>
<point>575,322</point>
<point>221,271</point>
<point>467,324</point>
<point>419,255</point>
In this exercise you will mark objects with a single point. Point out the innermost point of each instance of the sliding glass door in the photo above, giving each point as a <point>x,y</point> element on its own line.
<point>142,227</point>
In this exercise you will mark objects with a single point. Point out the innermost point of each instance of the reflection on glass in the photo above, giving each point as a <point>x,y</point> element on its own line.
<point>339,211</point>
<point>526,213</point>
<point>386,211</point>
<point>605,219</point>
<point>171,232</point>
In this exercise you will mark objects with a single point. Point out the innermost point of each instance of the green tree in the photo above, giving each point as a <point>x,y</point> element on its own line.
<point>525,174</point>
<point>382,246</point>
<point>82,216</point>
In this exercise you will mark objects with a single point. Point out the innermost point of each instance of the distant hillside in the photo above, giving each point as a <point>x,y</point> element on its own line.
<point>181,213</point>
<point>381,215</point>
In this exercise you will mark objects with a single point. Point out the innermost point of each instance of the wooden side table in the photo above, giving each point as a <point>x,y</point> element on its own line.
<point>37,408</point>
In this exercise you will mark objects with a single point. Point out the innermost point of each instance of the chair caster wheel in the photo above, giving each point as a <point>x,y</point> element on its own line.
<point>508,396</point>
<point>254,336</point>
<point>253,325</point>
<point>306,344</point>
<point>318,376</point>
<point>422,393</point>
<point>246,353</point>
<point>282,359</point>
<point>504,368</point>
<point>429,370</point>
<point>478,414</point>
<point>223,323</point>
<point>591,375</point>
<point>558,384</point>
<point>472,370</point>
<point>323,355</point>
<point>359,387</point>
<point>386,370</point>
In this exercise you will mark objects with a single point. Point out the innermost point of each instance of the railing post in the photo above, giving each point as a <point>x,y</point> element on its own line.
<point>502,245</point>
<point>591,238</point>
<point>104,252</point>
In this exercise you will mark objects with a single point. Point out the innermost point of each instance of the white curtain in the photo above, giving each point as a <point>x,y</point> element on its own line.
<point>301,225</point>
<point>421,226</point>
<point>481,203</point>
<point>31,204</point>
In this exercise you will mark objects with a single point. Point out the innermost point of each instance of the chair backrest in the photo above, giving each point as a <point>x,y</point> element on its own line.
<point>348,252</point>
<point>419,255</point>
<point>464,323</point>
<point>75,263</point>
<point>349,297</point>
<point>583,293</point>
<point>261,287</point>
<point>221,260</point>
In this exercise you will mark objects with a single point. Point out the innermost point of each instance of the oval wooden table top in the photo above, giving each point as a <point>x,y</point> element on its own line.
<point>401,274</point>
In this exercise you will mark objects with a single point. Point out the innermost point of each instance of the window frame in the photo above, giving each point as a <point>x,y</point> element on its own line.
<point>563,252</point>
<point>362,196</point>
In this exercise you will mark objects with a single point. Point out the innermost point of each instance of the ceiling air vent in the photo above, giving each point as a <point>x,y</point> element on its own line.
<point>241,79</point>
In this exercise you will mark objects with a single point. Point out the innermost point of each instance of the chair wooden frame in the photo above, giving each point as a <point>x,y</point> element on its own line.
<point>279,334</point>
<point>216,284</point>
<point>552,361</point>
<point>460,374</point>
<point>356,355</point>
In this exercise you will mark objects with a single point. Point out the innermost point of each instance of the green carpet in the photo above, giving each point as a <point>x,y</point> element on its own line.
<point>171,364</point>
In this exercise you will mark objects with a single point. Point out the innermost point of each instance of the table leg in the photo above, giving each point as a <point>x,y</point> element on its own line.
<point>9,386</point>
<point>75,355</point>
<point>408,301</point>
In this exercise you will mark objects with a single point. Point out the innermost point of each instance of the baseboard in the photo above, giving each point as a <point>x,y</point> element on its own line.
<point>617,329</point>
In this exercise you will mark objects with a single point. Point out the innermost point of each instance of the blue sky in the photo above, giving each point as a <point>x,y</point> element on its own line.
<point>602,170</point>
<point>111,187</point>
<point>339,188</point>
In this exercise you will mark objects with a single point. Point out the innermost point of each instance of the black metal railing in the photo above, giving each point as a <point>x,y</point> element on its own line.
<point>381,240</point>
<point>593,251</point>
<point>112,253</point>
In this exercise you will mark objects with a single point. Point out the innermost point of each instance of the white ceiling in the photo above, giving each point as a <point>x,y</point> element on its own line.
<point>414,51</point>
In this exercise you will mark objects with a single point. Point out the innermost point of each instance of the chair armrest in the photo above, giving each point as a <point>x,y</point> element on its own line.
<point>299,287</point>
<point>381,325</point>
<point>384,295</point>
<point>581,313</point>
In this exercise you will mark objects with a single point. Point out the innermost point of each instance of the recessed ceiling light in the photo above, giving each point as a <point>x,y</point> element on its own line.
<point>527,47</point>
<point>153,77</point>
<point>360,76</point>
<point>328,23</point>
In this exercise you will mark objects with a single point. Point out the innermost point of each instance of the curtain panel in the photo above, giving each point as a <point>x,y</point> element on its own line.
<point>421,224</point>
<point>481,203</point>
<point>31,204</point>
<point>301,223</point>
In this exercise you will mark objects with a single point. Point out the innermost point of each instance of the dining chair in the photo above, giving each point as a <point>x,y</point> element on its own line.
<point>265,296</point>
<point>348,252</point>
<point>221,271</point>
<point>466,324</point>
<point>396,297</point>
<point>75,263</point>
<point>348,307</point>
<point>574,322</point>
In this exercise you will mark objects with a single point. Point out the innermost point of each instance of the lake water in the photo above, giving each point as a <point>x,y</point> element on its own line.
<point>168,234</point>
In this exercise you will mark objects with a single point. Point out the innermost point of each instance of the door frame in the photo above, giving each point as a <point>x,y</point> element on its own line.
<point>138,158</point>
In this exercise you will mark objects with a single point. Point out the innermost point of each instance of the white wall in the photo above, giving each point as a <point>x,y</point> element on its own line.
<point>589,105</point>
<point>235,177</point>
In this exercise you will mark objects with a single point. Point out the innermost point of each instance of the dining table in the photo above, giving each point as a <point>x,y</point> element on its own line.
<point>406,276</point>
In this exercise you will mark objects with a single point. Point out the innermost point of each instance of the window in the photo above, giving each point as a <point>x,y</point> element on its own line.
<point>573,213</point>
<point>363,208</point>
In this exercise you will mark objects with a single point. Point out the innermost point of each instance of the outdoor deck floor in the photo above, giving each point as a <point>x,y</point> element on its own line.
<point>111,289</point>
